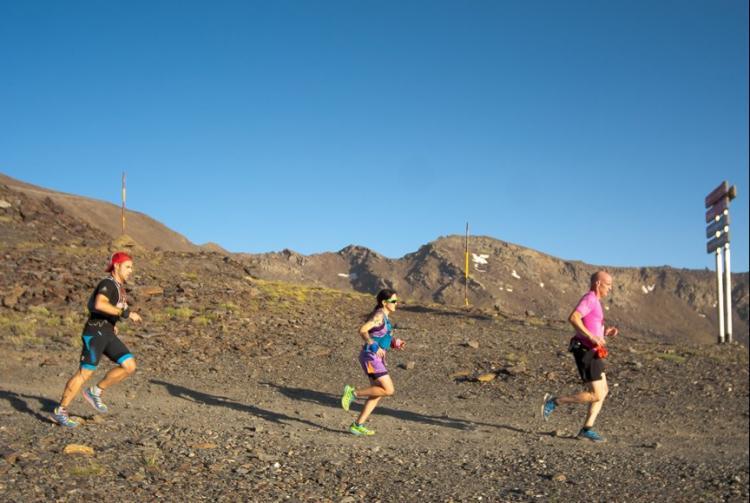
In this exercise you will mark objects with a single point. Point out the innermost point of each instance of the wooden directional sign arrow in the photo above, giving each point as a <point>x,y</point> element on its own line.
<point>717,194</point>
<point>717,209</point>
<point>715,243</point>
<point>720,225</point>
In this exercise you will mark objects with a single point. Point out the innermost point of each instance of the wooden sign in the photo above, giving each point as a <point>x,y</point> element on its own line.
<point>715,195</point>
<point>715,243</point>
<point>720,225</point>
<point>717,209</point>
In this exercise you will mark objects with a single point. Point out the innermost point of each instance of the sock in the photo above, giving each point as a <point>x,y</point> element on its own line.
<point>586,428</point>
<point>97,390</point>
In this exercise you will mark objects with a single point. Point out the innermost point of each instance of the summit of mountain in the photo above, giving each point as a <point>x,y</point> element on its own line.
<point>106,217</point>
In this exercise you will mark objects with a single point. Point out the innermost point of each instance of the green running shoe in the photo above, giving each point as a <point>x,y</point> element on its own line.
<point>361,430</point>
<point>347,397</point>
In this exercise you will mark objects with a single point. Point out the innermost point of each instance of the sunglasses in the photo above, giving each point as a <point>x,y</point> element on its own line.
<point>393,301</point>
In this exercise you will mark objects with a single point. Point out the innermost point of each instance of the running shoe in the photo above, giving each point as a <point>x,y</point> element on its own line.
<point>347,397</point>
<point>94,400</point>
<point>590,435</point>
<point>548,406</point>
<point>61,417</point>
<point>360,429</point>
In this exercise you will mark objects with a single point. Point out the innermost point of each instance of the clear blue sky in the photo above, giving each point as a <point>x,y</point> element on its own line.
<point>587,130</point>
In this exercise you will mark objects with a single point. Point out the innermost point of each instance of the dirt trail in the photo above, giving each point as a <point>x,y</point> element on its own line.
<point>269,427</point>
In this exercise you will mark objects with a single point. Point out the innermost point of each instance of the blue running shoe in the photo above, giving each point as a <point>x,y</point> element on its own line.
<point>60,416</point>
<point>548,406</point>
<point>591,435</point>
<point>94,400</point>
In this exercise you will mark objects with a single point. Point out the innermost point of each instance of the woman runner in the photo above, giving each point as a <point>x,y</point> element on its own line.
<point>377,333</point>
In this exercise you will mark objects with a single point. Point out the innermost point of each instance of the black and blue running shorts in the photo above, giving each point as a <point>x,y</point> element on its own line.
<point>102,342</point>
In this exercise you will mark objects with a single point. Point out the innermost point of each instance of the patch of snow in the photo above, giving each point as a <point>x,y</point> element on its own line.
<point>480,259</point>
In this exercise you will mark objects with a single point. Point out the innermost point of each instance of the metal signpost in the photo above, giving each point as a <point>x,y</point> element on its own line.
<point>122,212</point>
<point>466,268</point>
<point>717,233</point>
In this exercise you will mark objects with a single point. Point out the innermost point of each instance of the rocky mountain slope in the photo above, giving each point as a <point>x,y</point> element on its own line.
<point>104,216</point>
<point>236,396</point>
<point>662,302</point>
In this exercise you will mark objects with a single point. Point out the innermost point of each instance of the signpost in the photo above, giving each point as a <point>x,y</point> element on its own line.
<point>466,267</point>
<point>122,211</point>
<point>717,233</point>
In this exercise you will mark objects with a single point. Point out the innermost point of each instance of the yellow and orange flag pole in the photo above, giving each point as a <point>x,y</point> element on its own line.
<point>466,267</point>
<point>122,212</point>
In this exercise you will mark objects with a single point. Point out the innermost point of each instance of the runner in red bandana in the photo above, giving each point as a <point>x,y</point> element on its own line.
<point>107,305</point>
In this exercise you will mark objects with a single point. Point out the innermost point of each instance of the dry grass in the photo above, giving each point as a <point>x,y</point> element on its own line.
<point>90,469</point>
<point>19,331</point>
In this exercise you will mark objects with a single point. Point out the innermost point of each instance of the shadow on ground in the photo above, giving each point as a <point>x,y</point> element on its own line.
<point>18,402</point>
<point>222,401</point>
<point>328,400</point>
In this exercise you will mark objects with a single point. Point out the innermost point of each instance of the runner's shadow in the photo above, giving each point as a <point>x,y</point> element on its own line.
<point>16,401</point>
<point>222,401</point>
<point>328,400</point>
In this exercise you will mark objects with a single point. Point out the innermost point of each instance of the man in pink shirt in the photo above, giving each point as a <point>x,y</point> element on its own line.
<point>589,348</point>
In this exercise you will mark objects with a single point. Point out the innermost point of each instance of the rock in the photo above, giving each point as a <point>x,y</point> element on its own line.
<point>530,313</point>
<point>150,291</point>
<point>408,365</point>
<point>459,374</point>
<point>489,376</point>
<point>4,204</point>
<point>559,477</point>
<point>78,449</point>
<point>9,456</point>
<point>263,456</point>
<point>205,445</point>
<point>473,344</point>
<point>515,369</point>
<point>11,299</point>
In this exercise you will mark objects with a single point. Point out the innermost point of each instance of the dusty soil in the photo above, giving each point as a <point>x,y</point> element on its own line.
<point>219,422</point>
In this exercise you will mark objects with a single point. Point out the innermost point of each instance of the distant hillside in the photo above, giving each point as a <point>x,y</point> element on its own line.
<point>506,279</point>
<point>659,302</point>
<point>105,217</point>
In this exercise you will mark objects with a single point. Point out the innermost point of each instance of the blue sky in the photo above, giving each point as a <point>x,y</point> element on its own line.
<point>587,130</point>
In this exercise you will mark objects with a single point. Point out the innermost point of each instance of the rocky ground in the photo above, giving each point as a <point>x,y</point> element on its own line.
<point>237,398</point>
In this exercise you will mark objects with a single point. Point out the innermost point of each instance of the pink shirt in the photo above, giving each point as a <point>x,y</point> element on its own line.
<point>592,316</point>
